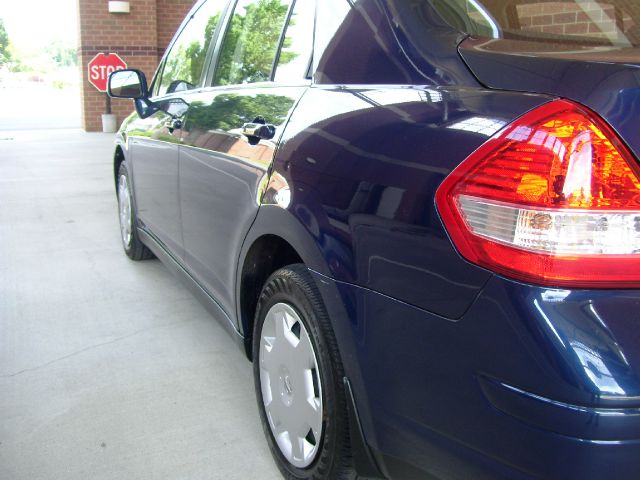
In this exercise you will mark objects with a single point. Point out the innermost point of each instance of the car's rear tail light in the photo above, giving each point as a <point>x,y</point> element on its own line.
<point>552,199</point>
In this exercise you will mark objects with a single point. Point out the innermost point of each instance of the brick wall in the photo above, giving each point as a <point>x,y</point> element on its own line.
<point>139,37</point>
<point>170,15</point>
<point>586,18</point>
<point>568,18</point>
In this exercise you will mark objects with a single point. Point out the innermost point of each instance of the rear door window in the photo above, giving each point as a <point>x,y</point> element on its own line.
<point>600,23</point>
<point>251,41</point>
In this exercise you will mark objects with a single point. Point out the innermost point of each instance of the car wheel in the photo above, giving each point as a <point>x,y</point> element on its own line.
<point>298,379</point>
<point>133,247</point>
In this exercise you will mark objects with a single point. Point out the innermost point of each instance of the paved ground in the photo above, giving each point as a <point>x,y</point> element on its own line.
<point>109,369</point>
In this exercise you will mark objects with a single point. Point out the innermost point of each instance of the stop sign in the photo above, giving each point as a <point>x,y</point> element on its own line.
<point>101,66</point>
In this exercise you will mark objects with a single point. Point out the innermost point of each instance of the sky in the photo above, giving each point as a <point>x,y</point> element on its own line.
<point>34,24</point>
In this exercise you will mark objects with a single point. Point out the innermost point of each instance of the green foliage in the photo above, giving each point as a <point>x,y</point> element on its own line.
<point>225,61</point>
<point>5,54</point>
<point>198,52</point>
<point>248,52</point>
<point>186,60</point>
<point>59,84</point>
<point>62,55</point>
<point>251,42</point>
<point>230,111</point>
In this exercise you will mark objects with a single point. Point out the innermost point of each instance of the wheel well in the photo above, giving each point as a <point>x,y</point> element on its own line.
<point>267,254</point>
<point>118,158</point>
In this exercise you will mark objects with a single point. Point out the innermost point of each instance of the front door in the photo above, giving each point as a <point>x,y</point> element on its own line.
<point>154,141</point>
<point>153,156</point>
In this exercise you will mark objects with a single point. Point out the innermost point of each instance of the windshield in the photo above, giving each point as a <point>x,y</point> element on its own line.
<point>598,23</point>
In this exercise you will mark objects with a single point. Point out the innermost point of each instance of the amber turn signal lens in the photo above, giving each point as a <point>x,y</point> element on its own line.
<point>552,199</point>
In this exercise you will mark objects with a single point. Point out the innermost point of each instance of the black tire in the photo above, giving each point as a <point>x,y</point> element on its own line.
<point>133,246</point>
<point>294,286</point>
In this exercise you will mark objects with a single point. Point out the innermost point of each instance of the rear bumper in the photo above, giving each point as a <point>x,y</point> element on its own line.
<point>599,425</point>
<point>530,383</point>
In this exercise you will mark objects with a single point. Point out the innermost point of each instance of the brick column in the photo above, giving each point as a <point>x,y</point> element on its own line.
<point>139,37</point>
<point>169,17</point>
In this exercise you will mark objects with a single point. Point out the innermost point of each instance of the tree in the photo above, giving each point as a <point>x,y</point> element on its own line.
<point>247,55</point>
<point>63,55</point>
<point>251,42</point>
<point>186,61</point>
<point>229,111</point>
<point>5,55</point>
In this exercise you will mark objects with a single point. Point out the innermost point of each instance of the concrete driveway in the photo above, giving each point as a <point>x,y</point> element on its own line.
<point>109,369</point>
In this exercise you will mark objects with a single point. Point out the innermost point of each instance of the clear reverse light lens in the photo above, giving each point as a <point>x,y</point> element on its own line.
<point>567,232</point>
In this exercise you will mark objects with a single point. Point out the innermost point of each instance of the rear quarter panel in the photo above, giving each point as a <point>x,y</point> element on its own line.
<point>363,164</point>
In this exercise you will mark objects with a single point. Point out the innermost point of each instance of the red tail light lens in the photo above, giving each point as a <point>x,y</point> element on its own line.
<point>552,199</point>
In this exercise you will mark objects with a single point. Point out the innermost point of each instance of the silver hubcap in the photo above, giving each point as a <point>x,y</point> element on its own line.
<point>290,382</point>
<point>124,207</point>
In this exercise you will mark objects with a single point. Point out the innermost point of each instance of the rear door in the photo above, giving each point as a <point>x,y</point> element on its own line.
<point>261,72</point>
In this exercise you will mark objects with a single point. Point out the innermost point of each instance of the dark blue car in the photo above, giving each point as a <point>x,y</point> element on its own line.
<point>420,219</point>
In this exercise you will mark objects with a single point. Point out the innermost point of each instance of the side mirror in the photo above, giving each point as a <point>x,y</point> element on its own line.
<point>128,84</point>
<point>132,84</point>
